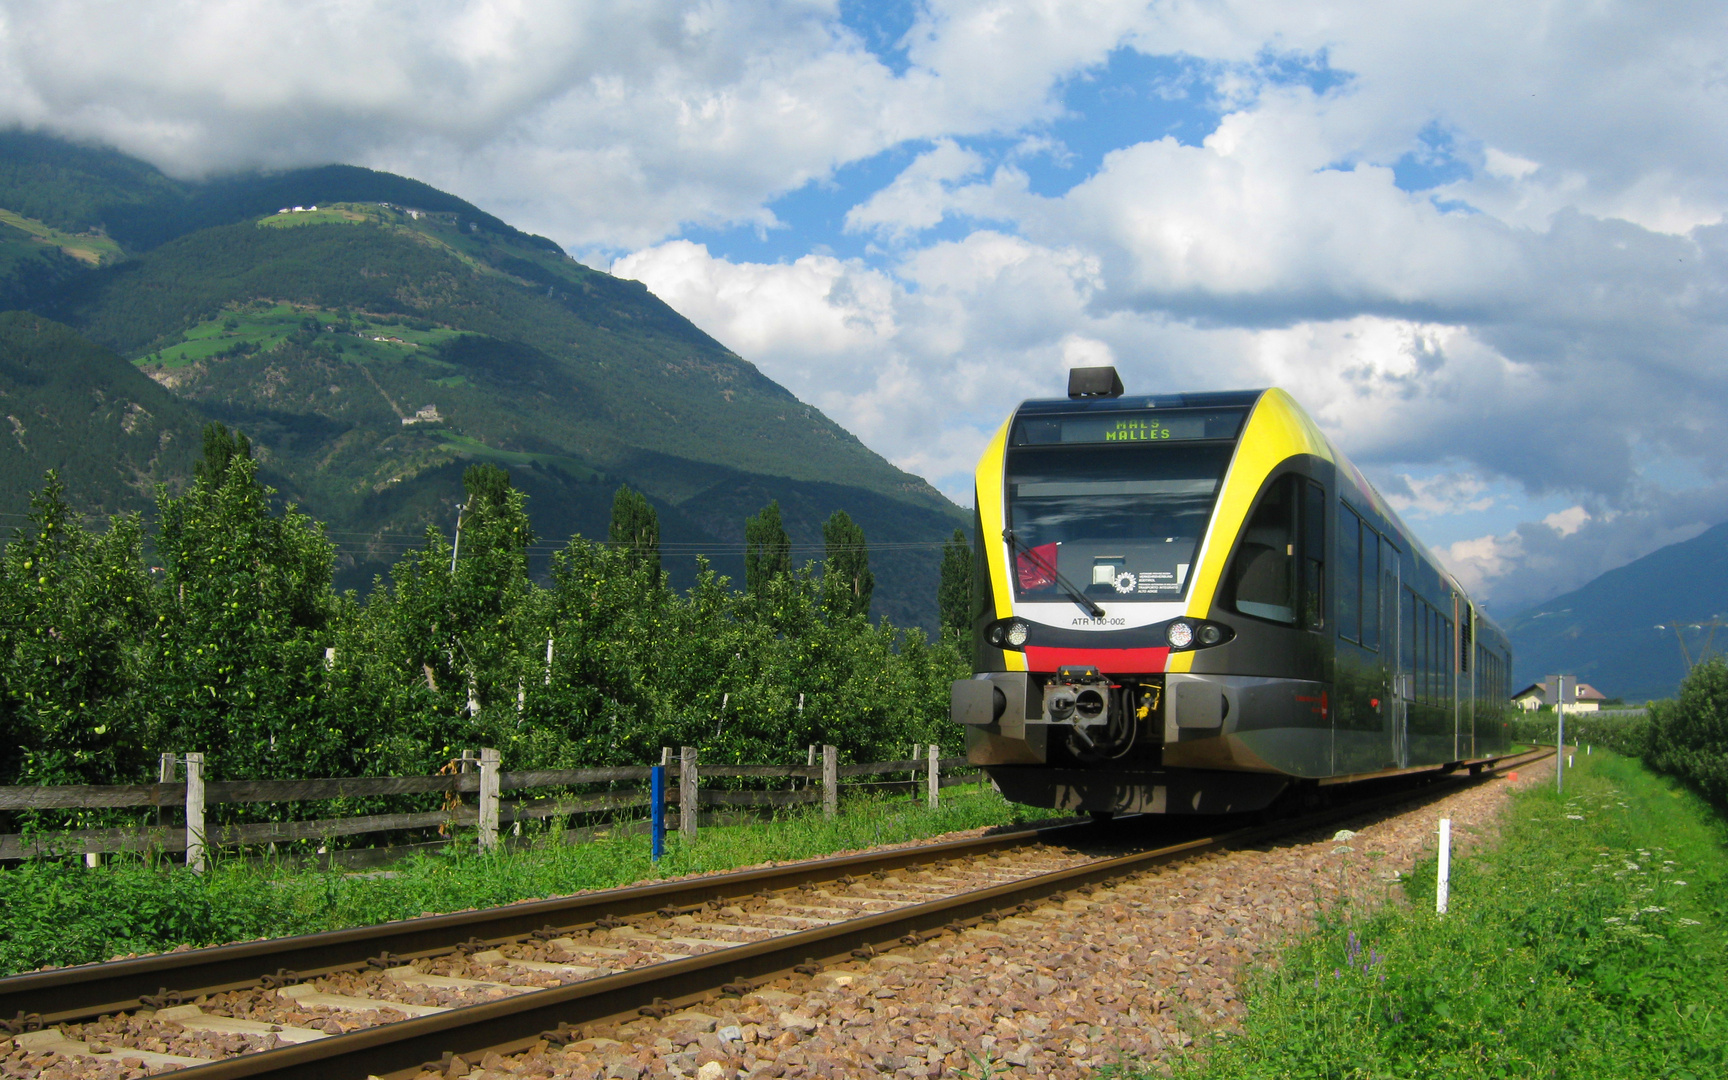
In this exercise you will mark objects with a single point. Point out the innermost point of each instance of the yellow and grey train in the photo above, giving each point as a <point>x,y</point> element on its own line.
<point>1193,603</point>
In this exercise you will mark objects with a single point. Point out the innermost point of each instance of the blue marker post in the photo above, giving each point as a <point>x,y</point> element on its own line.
<point>657,805</point>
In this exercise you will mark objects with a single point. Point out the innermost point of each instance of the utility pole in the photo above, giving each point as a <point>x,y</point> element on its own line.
<point>1564,689</point>
<point>1680,626</point>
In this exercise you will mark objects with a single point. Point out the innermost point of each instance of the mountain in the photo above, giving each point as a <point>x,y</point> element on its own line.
<point>67,404</point>
<point>374,346</point>
<point>1618,632</point>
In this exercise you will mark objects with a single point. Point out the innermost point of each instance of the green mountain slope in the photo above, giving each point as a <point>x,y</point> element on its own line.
<point>375,346</point>
<point>1607,631</point>
<point>69,405</point>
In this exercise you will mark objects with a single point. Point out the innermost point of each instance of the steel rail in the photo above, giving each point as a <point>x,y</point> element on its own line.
<point>91,990</point>
<point>398,1050</point>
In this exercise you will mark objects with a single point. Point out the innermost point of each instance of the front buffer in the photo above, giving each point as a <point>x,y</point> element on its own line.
<point>1058,742</point>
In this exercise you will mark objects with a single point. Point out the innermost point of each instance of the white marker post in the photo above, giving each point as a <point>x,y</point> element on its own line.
<point>1443,883</point>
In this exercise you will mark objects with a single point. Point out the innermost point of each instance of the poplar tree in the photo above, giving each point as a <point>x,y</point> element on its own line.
<point>954,594</point>
<point>847,565</point>
<point>767,549</point>
<point>636,530</point>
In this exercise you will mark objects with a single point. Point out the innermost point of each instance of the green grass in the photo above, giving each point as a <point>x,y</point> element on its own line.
<point>511,459</point>
<point>333,214</point>
<point>261,327</point>
<point>61,912</point>
<point>91,247</point>
<point>1589,943</point>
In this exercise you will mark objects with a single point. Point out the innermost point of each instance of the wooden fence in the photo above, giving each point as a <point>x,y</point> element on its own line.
<point>481,776</point>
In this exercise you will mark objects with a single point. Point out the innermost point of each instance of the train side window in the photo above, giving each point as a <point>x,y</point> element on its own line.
<point>1444,669</point>
<point>1314,557</point>
<point>1436,665</point>
<point>1263,577</point>
<point>1408,637</point>
<point>1350,598</point>
<point>1370,594</point>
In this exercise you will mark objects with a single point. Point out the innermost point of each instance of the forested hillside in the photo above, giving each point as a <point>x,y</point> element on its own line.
<point>375,347</point>
<point>113,433</point>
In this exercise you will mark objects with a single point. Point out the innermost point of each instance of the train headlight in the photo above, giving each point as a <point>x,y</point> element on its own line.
<point>1210,634</point>
<point>1180,635</point>
<point>1008,633</point>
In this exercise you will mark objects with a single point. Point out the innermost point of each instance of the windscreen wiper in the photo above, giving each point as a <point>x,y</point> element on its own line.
<point>1087,605</point>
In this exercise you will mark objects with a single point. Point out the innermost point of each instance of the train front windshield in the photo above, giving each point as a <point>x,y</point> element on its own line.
<point>1116,504</point>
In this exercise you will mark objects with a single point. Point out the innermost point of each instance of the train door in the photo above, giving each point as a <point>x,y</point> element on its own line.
<point>1398,693</point>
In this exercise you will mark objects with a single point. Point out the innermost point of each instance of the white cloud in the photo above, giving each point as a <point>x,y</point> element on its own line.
<point>918,197</point>
<point>1438,496</point>
<point>1550,319</point>
<point>1507,166</point>
<point>1568,521</point>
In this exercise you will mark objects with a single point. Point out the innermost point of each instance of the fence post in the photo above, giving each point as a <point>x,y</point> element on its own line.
<point>488,798</point>
<point>935,779</point>
<point>195,813</point>
<point>164,775</point>
<point>830,781</point>
<point>687,783</point>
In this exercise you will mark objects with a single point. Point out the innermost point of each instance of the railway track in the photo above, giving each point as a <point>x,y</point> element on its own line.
<point>388,999</point>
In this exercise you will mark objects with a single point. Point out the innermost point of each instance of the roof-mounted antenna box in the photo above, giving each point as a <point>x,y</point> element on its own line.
<point>1085,382</point>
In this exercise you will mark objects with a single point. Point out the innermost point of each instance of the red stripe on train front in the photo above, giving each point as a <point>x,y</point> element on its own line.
<point>1108,661</point>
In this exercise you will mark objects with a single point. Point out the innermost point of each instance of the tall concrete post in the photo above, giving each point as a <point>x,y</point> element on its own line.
<point>935,777</point>
<point>830,781</point>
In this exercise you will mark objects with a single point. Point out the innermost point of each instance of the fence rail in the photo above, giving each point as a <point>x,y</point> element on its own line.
<point>482,776</point>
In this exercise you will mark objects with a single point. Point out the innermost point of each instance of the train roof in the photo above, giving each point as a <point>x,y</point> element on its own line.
<point>1219,399</point>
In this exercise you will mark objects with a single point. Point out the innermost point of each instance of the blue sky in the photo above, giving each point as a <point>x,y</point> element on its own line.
<point>1483,243</point>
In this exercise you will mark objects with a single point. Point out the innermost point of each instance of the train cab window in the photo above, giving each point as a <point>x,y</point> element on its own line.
<point>1262,576</point>
<point>1119,523</point>
<point>1314,557</point>
<point>1349,577</point>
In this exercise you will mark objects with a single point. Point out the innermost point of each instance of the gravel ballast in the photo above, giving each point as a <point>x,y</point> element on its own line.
<point>1127,973</point>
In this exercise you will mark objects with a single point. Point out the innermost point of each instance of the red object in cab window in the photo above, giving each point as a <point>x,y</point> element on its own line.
<point>1036,567</point>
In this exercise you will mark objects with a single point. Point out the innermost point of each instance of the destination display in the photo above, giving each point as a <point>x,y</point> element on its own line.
<point>1140,428</point>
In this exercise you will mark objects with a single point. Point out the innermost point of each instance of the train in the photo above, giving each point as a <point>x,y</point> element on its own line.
<point>1195,604</point>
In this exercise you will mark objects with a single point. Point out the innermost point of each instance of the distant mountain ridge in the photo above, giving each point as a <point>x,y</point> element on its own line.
<point>376,346</point>
<point>1607,632</point>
